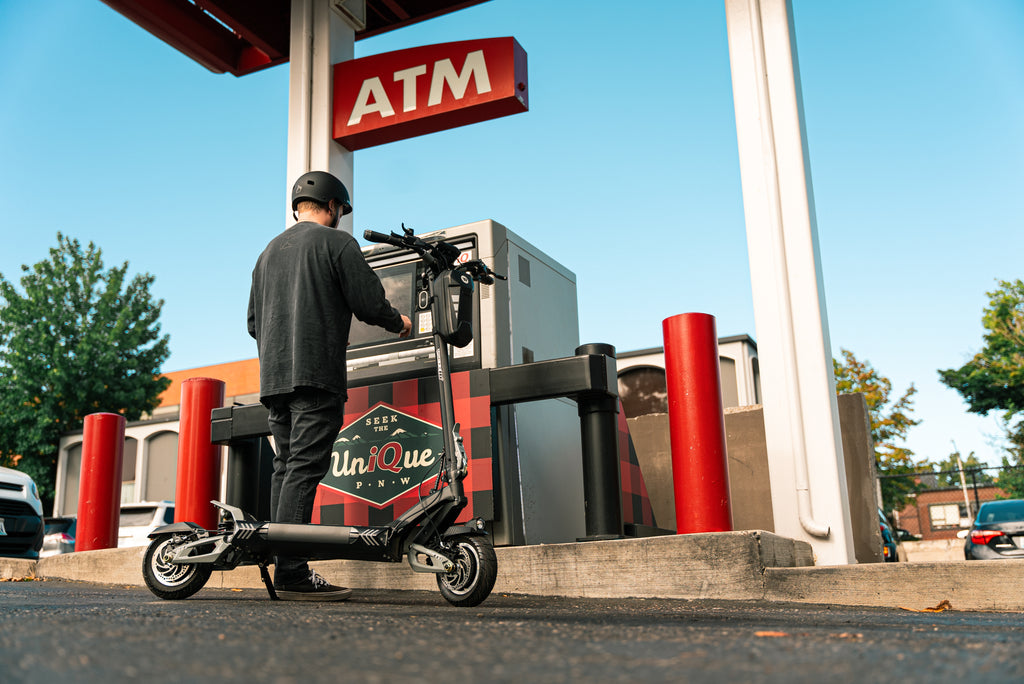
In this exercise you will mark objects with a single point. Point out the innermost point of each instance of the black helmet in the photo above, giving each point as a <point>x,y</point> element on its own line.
<point>321,187</point>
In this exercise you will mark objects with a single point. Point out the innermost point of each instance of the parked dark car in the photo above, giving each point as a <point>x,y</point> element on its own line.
<point>21,515</point>
<point>889,551</point>
<point>998,531</point>
<point>59,536</point>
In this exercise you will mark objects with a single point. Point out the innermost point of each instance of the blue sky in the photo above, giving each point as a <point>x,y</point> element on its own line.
<point>625,169</point>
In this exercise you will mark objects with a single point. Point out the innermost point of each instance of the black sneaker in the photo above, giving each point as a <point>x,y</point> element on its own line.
<point>313,588</point>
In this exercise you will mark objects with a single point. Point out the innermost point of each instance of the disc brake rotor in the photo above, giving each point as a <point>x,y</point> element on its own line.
<point>462,575</point>
<point>171,574</point>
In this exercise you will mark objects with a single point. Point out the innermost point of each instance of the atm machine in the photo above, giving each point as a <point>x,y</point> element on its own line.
<point>526,477</point>
<point>529,317</point>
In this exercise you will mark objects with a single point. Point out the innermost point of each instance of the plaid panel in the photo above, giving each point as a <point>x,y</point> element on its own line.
<point>358,401</point>
<point>636,504</point>
<point>419,397</point>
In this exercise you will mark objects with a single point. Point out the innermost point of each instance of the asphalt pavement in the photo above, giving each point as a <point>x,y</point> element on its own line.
<point>84,632</point>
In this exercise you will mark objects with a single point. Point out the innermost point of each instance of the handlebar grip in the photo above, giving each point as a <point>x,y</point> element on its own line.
<point>374,236</point>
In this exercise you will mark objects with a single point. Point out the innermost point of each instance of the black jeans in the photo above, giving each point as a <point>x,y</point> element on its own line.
<point>305,424</point>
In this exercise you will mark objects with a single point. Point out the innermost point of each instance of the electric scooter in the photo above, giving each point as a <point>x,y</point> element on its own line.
<point>181,557</point>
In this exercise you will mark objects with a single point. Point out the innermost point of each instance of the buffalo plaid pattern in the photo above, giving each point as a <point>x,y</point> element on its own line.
<point>420,397</point>
<point>636,504</point>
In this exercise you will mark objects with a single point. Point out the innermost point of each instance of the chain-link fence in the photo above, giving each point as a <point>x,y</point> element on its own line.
<point>938,503</point>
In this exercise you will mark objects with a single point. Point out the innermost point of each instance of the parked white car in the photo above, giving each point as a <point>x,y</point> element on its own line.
<point>21,515</point>
<point>139,519</point>
<point>60,536</point>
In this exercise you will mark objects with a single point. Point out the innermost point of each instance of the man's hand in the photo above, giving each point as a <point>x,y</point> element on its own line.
<point>406,327</point>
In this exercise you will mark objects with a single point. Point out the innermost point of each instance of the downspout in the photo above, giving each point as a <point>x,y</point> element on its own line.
<point>803,493</point>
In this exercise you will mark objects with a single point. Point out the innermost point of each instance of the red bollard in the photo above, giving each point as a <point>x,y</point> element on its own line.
<point>99,488</point>
<point>700,467</point>
<point>198,458</point>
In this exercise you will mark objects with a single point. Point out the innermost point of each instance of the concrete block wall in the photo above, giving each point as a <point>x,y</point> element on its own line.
<point>749,480</point>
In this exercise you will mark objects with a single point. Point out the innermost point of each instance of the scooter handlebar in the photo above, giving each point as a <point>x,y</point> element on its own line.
<point>407,241</point>
<point>437,256</point>
<point>374,236</point>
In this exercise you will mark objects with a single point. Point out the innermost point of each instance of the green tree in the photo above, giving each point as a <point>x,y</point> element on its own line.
<point>993,380</point>
<point>890,423</point>
<point>949,475</point>
<point>77,340</point>
<point>1011,478</point>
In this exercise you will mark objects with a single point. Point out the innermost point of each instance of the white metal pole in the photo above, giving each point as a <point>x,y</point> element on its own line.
<point>963,480</point>
<point>801,415</point>
<point>320,37</point>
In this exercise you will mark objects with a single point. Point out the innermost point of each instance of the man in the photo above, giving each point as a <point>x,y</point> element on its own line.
<point>306,286</point>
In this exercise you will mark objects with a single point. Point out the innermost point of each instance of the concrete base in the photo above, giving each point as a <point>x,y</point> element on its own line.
<point>749,479</point>
<point>725,565</point>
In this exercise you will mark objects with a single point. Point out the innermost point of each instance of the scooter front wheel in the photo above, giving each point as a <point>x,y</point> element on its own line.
<point>171,580</point>
<point>472,578</point>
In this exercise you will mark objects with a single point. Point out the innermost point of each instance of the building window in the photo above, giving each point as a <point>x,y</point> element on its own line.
<point>643,390</point>
<point>728,382</point>
<point>128,461</point>
<point>161,473</point>
<point>72,470</point>
<point>947,516</point>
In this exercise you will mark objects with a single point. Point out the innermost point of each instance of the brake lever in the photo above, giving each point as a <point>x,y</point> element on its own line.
<point>480,272</point>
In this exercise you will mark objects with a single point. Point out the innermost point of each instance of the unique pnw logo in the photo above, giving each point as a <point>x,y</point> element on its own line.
<point>383,454</point>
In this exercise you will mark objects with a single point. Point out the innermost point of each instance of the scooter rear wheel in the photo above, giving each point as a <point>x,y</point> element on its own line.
<point>472,578</point>
<point>171,580</point>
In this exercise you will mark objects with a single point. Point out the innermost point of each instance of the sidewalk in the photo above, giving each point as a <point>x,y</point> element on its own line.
<point>727,565</point>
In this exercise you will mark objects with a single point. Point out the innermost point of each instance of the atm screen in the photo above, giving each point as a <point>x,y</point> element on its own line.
<point>399,283</point>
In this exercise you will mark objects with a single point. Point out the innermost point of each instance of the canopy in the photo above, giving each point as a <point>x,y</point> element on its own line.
<point>242,36</point>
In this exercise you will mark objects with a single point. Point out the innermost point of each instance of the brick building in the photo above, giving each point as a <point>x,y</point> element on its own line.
<point>941,513</point>
<point>150,459</point>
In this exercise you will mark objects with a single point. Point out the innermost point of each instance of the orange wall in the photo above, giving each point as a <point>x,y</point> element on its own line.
<point>240,377</point>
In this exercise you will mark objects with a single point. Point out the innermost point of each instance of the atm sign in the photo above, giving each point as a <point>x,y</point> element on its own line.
<point>403,94</point>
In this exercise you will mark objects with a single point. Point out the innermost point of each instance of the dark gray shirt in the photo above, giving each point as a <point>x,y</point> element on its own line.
<point>306,286</point>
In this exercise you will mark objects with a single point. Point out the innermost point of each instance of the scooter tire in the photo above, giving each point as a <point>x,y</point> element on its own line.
<point>168,580</point>
<point>472,578</point>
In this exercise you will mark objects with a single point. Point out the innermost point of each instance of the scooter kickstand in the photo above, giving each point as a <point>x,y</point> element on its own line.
<point>269,583</point>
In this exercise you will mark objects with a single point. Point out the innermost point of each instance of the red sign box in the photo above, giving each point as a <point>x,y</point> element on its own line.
<point>398,95</point>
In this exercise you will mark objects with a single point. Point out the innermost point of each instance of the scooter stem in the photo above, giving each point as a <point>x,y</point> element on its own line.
<point>453,448</point>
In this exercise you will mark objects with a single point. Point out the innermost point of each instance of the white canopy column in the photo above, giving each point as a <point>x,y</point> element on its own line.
<point>805,452</point>
<point>323,33</point>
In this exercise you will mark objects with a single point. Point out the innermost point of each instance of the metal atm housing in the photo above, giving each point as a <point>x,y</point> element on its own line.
<point>532,316</point>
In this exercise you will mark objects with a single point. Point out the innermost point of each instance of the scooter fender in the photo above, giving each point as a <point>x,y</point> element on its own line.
<point>469,529</point>
<point>173,528</point>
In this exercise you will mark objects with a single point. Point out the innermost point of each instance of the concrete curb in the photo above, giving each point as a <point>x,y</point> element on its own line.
<point>992,585</point>
<point>17,568</point>
<point>750,565</point>
<point>714,565</point>
<point>109,566</point>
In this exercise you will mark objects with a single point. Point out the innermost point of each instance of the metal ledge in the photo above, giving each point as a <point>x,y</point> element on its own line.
<point>570,377</point>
